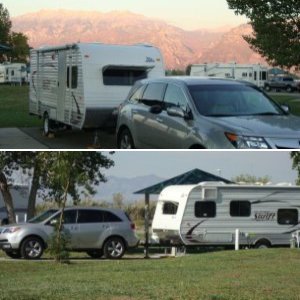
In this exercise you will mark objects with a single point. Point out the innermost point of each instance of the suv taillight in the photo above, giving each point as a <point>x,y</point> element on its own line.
<point>132,225</point>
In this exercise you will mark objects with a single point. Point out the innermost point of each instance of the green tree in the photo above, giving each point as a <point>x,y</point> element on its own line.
<point>67,172</point>
<point>38,166</point>
<point>295,156</point>
<point>20,47</point>
<point>276,26</point>
<point>5,25</point>
<point>251,179</point>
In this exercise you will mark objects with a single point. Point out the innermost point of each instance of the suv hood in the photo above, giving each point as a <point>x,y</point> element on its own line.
<point>281,126</point>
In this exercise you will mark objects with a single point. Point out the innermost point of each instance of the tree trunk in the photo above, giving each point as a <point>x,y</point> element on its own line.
<point>33,192</point>
<point>8,201</point>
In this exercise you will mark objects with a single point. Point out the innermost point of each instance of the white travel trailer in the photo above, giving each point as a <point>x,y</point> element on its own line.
<point>208,214</point>
<point>256,73</point>
<point>2,74</point>
<point>16,73</point>
<point>82,84</point>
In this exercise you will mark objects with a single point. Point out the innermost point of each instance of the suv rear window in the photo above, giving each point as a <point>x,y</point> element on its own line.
<point>90,216</point>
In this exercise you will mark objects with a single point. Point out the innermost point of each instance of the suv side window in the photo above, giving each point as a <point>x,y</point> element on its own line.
<point>70,217</point>
<point>154,93</point>
<point>175,97</point>
<point>90,216</point>
<point>137,94</point>
<point>110,217</point>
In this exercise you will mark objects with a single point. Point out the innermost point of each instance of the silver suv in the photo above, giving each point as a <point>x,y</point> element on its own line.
<point>97,231</point>
<point>191,113</point>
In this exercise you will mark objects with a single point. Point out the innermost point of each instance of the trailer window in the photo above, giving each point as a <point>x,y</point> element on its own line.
<point>240,209</point>
<point>74,77</point>
<point>170,208</point>
<point>123,76</point>
<point>205,209</point>
<point>287,216</point>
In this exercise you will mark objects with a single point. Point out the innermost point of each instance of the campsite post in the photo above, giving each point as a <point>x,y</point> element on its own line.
<point>146,247</point>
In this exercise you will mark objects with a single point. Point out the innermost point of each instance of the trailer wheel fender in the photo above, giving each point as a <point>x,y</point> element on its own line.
<point>263,244</point>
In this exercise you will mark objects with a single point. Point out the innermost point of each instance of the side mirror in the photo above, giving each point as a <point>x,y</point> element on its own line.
<point>285,108</point>
<point>156,109</point>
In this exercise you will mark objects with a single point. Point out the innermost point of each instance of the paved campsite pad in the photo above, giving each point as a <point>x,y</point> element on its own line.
<point>32,138</point>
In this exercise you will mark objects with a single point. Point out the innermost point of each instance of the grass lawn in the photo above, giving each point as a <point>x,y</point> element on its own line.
<point>14,110</point>
<point>248,274</point>
<point>15,104</point>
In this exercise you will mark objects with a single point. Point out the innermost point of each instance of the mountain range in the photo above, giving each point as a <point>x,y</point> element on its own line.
<point>179,47</point>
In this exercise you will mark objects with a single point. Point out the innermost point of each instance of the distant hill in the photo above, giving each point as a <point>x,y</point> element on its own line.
<point>125,186</point>
<point>179,47</point>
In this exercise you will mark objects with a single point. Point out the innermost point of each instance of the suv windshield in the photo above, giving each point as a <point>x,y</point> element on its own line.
<point>232,100</point>
<point>42,217</point>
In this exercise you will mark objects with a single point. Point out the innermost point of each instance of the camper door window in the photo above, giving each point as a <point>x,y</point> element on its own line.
<point>205,209</point>
<point>123,76</point>
<point>287,216</point>
<point>72,77</point>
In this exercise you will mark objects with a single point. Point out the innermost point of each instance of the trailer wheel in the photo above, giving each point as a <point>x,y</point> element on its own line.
<point>267,88</point>
<point>47,125</point>
<point>125,140</point>
<point>289,89</point>
<point>262,244</point>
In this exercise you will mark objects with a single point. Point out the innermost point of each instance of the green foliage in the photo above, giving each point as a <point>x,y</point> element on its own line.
<point>58,247</point>
<point>20,47</point>
<point>175,72</point>
<point>17,41</point>
<point>250,179</point>
<point>276,26</point>
<point>295,156</point>
<point>5,25</point>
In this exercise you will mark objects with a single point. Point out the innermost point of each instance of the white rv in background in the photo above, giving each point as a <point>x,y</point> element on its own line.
<point>82,84</point>
<point>2,73</point>
<point>16,73</point>
<point>208,214</point>
<point>255,73</point>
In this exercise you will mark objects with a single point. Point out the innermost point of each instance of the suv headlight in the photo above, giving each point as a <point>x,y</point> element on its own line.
<point>11,229</point>
<point>247,142</point>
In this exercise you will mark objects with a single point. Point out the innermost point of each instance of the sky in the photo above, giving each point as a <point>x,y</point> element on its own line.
<point>188,14</point>
<point>166,164</point>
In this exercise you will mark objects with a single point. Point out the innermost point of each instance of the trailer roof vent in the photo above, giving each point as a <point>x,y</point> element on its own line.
<point>209,194</point>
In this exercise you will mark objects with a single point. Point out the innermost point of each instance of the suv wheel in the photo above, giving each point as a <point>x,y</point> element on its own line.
<point>32,248</point>
<point>125,140</point>
<point>114,248</point>
<point>13,254</point>
<point>95,253</point>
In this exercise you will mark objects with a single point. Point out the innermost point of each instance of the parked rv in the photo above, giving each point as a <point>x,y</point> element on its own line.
<point>254,73</point>
<point>15,73</point>
<point>208,214</point>
<point>2,74</point>
<point>80,85</point>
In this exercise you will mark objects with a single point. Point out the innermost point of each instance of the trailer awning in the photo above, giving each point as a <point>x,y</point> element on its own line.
<point>192,177</point>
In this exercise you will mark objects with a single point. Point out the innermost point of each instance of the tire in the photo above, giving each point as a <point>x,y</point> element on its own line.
<point>114,248</point>
<point>95,253</point>
<point>13,254</point>
<point>263,244</point>
<point>125,140</point>
<point>47,124</point>
<point>32,248</point>
<point>289,89</point>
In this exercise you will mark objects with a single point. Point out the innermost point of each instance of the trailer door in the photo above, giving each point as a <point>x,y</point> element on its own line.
<point>61,88</point>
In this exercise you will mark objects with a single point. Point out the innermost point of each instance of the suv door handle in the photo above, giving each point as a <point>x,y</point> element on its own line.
<point>159,120</point>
